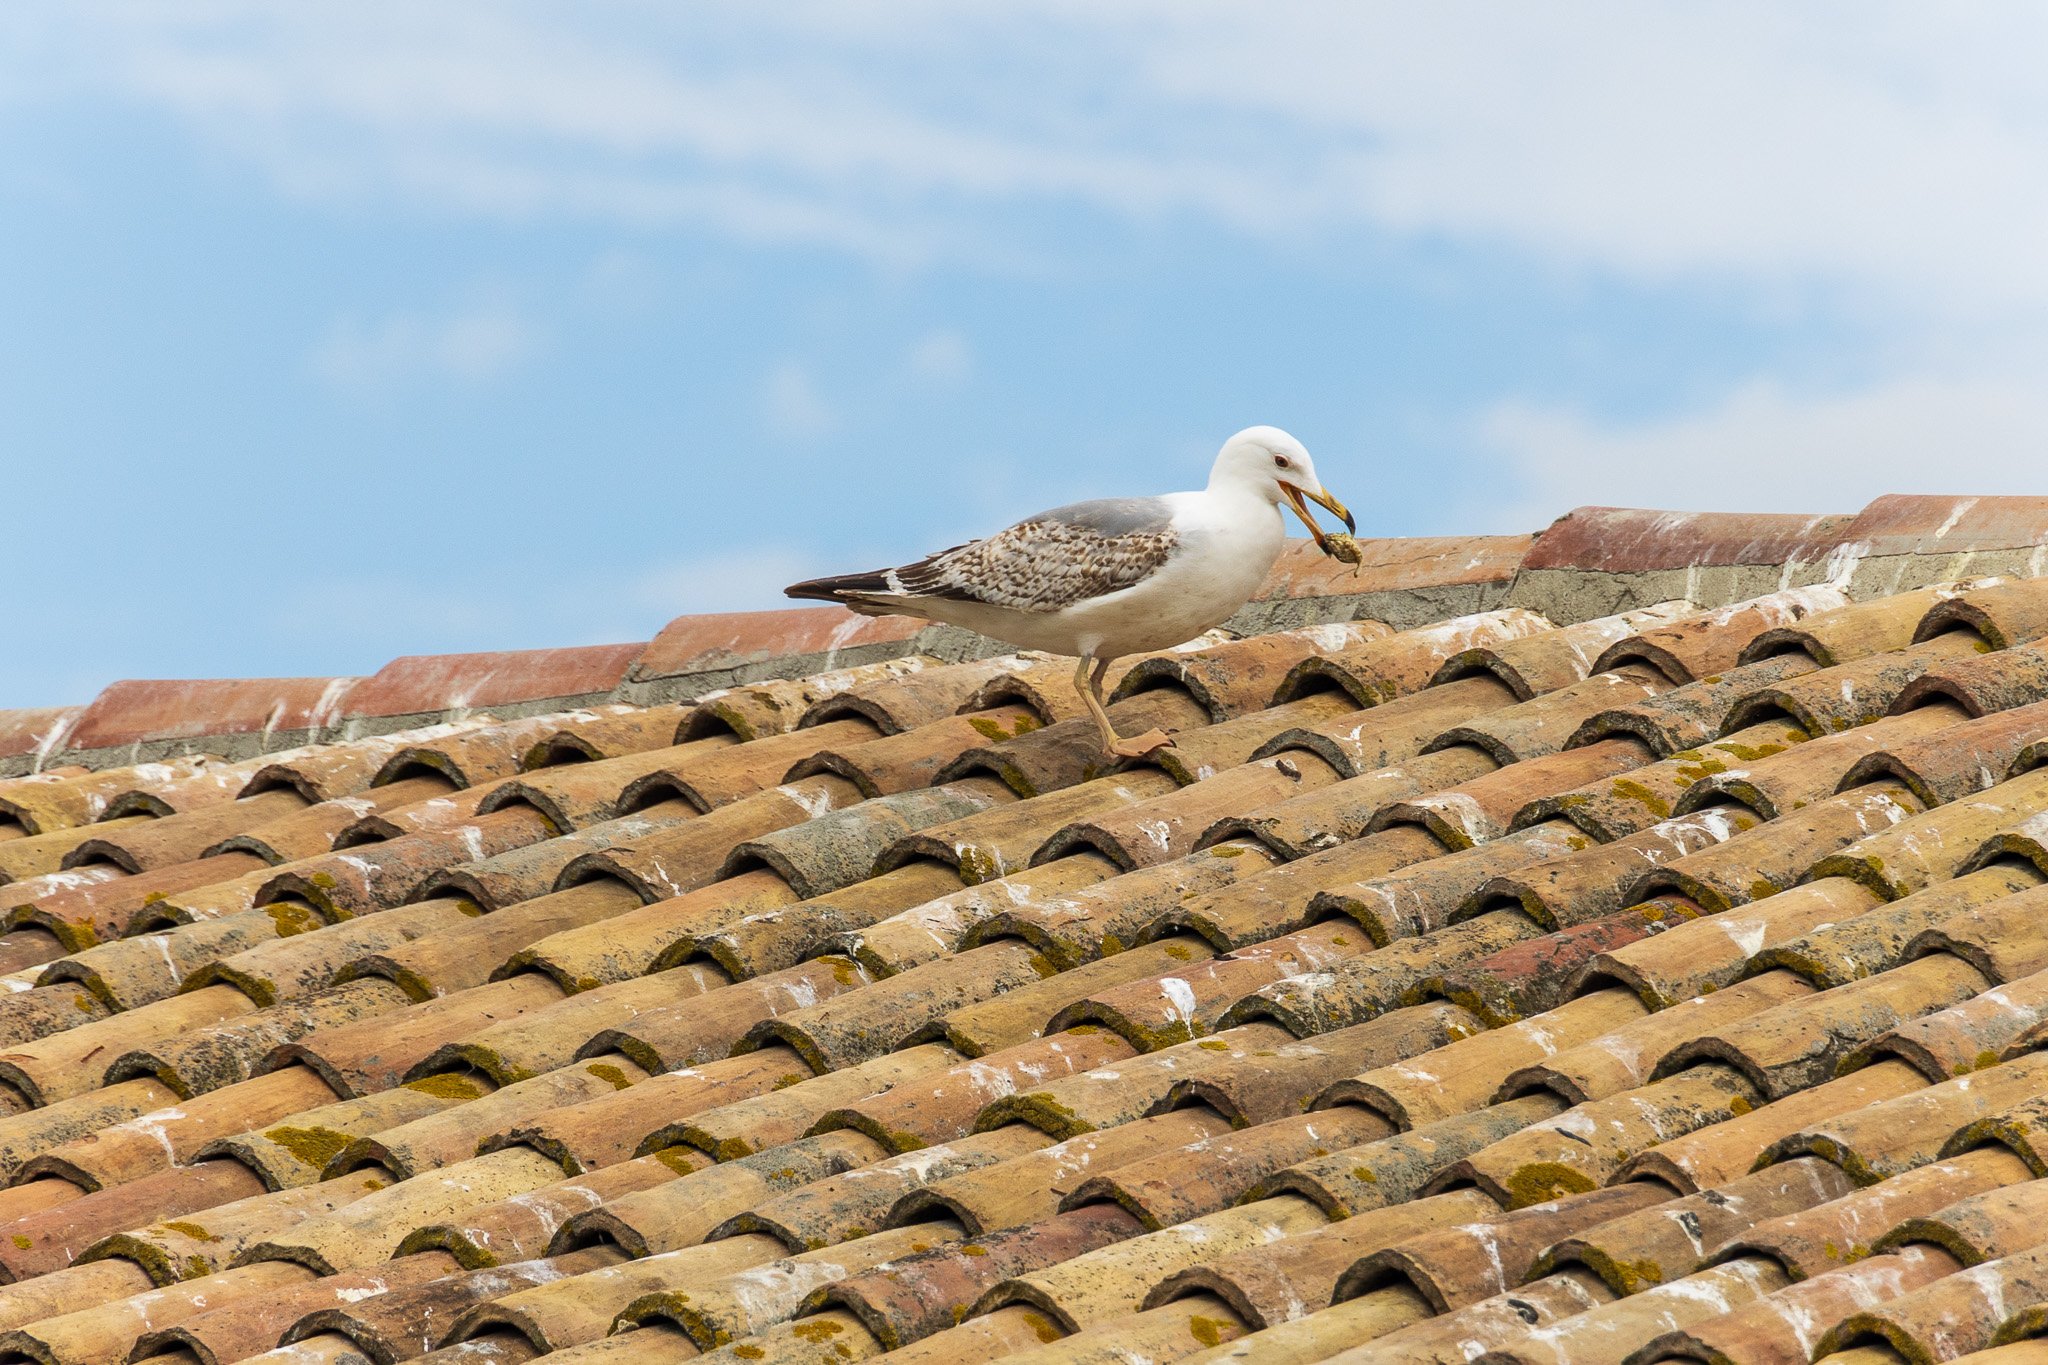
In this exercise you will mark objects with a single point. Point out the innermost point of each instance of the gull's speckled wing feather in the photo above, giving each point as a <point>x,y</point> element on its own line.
<point>1044,563</point>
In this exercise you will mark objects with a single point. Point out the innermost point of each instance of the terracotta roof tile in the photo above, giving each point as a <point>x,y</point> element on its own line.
<point>1586,1146</point>
<point>697,1195</point>
<point>910,1299</point>
<point>37,730</point>
<point>1536,973</point>
<point>1592,882</point>
<point>1882,1140</point>
<point>109,1331</point>
<point>1170,825</point>
<point>1627,540</point>
<point>1501,1319</point>
<point>633,942</point>
<point>1298,1275</point>
<point>1612,807</point>
<point>1691,716</point>
<point>690,1031</point>
<point>1793,1046</point>
<point>1958,1314</point>
<point>1788,1324</point>
<point>1543,725</point>
<point>1379,670</point>
<point>938,926</point>
<point>1828,1235</point>
<point>1696,647</point>
<point>1935,844</point>
<point>759,1123</point>
<point>2000,938</point>
<point>1550,660</point>
<point>1775,855</point>
<point>1845,695</point>
<point>248,1326</point>
<point>1626,1056</point>
<point>1033,1188</point>
<point>135,713</point>
<point>1878,939</point>
<point>1393,564</point>
<point>1970,757</point>
<point>752,939</point>
<point>46,805</point>
<point>1238,677</point>
<point>1927,524</point>
<point>698,644</point>
<point>1460,1266</point>
<point>849,1206</point>
<point>607,732</point>
<point>1666,1243</point>
<point>1983,683</point>
<point>1115,990</point>
<point>1862,629</point>
<point>1714,1156</point>
<point>740,1304</point>
<point>915,758</point>
<point>1383,742</point>
<point>405,1323</point>
<point>1122,1091</point>
<point>369,1055</point>
<point>777,706</point>
<point>1980,1227</point>
<point>575,796</point>
<point>860,1026</point>
<point>2006,612</point>
<point>1963,1038</point>
<point>1114,1280</point>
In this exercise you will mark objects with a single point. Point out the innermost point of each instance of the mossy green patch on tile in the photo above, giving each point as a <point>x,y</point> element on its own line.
<point>610,1075</point>
<point>313,1147</point>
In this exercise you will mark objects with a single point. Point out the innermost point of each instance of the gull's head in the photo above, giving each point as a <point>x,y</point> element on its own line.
<point>1272,465</point>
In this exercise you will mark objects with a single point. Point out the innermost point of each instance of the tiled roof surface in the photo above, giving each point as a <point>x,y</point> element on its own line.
<point>1625,945</point>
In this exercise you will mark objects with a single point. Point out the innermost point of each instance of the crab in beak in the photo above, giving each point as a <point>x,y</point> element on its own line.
<point>1321,498</point>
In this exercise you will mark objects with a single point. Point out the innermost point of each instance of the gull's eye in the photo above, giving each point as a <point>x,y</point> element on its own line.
<point>1283,462</point>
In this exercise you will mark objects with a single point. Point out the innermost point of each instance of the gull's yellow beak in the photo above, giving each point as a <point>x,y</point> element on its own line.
<point>1321,499</point>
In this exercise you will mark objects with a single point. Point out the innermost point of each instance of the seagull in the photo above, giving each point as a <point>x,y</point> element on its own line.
<point>1116,576</point>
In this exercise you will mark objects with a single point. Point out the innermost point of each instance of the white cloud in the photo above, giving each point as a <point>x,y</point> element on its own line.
<point>471,345</point>
<point>941,358</point>
<point>792,407</point>
<point>1880,162</point>
<point>1766,450</point>
<point>1893,148</point>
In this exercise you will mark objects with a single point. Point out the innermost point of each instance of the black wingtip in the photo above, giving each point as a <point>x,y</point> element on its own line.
<point>815,591</point>
<point>837,589</point>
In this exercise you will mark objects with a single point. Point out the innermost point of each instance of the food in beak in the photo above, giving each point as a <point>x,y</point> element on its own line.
<point>1343,547</point>
<point>1324,542</point>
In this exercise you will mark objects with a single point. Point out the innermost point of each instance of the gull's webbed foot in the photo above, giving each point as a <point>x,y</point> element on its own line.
<point>1142,746</point>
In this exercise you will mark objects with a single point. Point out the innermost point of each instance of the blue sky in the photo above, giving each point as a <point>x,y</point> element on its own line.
<point>333,332</point>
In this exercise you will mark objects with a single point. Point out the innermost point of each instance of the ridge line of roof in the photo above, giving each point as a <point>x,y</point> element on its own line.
<point>1592,561</point>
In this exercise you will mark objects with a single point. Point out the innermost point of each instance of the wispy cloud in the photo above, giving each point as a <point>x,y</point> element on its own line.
<point>792,407</point>
<point>471,345</point>
<point>1779,451</point>
<point>1889,147</point>
<point>941,358</point>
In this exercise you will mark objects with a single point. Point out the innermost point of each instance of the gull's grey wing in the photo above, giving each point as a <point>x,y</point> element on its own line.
<point>1053,560</point>
<point>1043,563</point>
